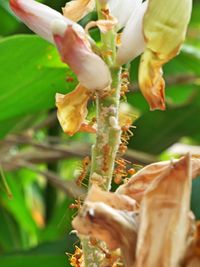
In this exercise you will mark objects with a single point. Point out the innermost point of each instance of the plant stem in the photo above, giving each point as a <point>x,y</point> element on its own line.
<point>104,152</point>
<point>108,132</point>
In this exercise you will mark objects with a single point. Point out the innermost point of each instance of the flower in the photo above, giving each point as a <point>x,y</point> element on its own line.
<point>159,28</point>
<point>132,39</point>
<point>75,50</point>
<point>164,26</point>
<point>39,17</point>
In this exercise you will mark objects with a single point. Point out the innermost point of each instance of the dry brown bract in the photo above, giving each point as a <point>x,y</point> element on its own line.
<point>139,182</point>
<point>118,228</point>
<point>160,232</point>
<point>165,218</point>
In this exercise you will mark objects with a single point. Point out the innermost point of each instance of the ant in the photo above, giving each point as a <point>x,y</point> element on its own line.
<point>85,164</point>
<point>120,171</point>
<point>124,83</point>
<point>112,259</point>
<point>75,205</point>
<point>76,259</point>
<point>106,152</point>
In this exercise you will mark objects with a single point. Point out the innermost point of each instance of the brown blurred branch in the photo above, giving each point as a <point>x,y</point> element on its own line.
<point>68,187</point>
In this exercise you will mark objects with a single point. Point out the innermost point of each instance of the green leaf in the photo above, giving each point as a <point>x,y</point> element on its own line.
<point>156,131</point>
<point>31,75</point>
<point>18,208</point>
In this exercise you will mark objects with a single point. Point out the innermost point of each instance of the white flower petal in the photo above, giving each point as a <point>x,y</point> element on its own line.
<point>75,50</point>
<point>122,9</point>
<point>132,39</point>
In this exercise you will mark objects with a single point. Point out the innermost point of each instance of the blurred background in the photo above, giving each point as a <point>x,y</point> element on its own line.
<point>38,163</point>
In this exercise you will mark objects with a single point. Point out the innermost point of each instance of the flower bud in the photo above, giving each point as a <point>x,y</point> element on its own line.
<point>75,50</point>
<point>39,17</point>
<point>165,24</point>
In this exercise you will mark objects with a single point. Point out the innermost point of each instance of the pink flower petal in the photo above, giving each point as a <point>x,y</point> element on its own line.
<point>38,17</point>
<point>75,50</point>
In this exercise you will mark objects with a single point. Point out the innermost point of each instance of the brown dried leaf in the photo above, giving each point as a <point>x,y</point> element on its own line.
<point>164,217</point>
<point>139,182</point>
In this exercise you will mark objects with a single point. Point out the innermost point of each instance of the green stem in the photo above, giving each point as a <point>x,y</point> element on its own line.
<point>108,133</point>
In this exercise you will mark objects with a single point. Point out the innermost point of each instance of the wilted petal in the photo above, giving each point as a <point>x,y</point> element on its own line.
<point>165,24</point>
<point>77,9</point>
<point>39,17</point>
<point>164,218</point>
<point>123,9</point>
<point>132,39</point>
<point>117,228</point>
<point>72,109</point>
<point>91,70</point>
<point>140,182</point>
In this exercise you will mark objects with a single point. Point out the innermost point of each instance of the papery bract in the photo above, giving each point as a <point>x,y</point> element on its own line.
<point>165,218</point>
<point>165,24</point>
<point>140,182</point>
<point>39,17</point>
<point>75,50</point>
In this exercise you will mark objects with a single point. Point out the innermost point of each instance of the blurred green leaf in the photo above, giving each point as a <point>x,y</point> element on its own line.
<point>31,76</point>
<point>49,254</point>
<point>156,131</point>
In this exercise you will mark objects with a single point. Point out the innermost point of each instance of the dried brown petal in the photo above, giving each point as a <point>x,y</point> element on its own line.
<point>77,9</point>
<point>72,109</point>
<point>139,182</point>
<point>165,217</point>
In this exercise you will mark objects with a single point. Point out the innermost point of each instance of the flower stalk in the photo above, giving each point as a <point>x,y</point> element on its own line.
<point>108,136</point>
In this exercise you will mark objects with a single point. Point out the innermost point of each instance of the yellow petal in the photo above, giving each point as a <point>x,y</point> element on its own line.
<point>77,9</point>
<point>165,218</point>
<point>72,109</point>
<point>164,25</point>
